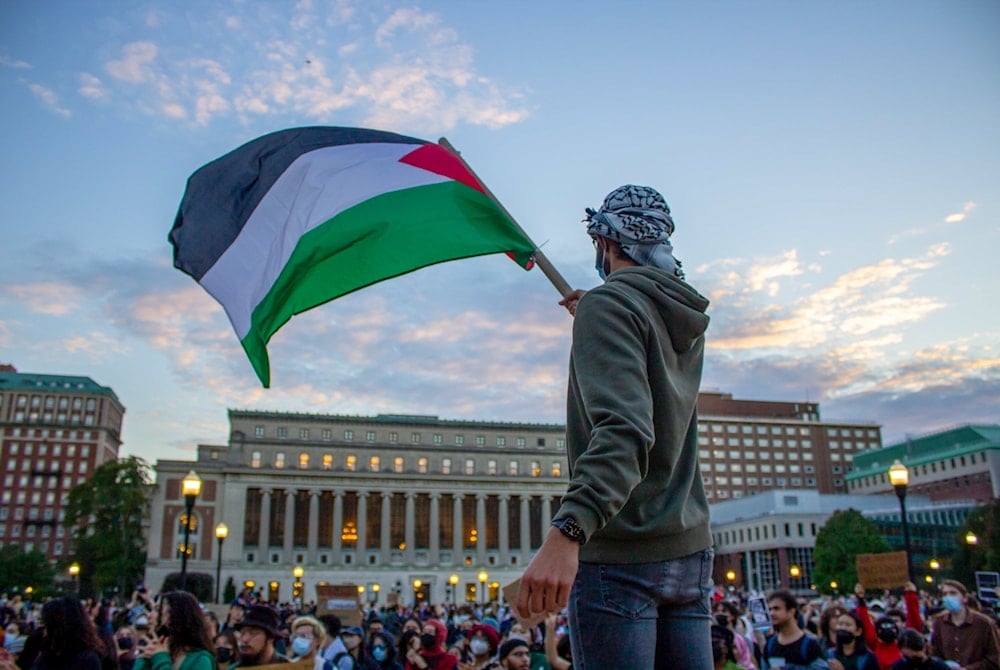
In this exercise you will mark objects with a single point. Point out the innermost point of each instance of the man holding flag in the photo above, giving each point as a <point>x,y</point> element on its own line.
<point>630,547</point>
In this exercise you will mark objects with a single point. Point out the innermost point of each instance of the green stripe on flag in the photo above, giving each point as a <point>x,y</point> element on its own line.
<point>378,239</point>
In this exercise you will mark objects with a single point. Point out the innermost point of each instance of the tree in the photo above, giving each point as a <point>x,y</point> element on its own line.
<point>229,591</point>
<point>19,570</point>
<point>984,523</point>
<point>106,515</point>
<point>845,535</point>
<point>199,584</point>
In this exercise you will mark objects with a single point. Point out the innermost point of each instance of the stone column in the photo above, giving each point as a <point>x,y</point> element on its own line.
<point>458,550</point>
<point>411,522</point>
<point>362,526</point>
<point>525,529</point>
<point>289,525</point>
<point>313,526</point>
<point>504,530</point>
<point>264,542</point>
<point>338,524</point>
<point>481,528</point>
<point>385,541</point>
<point>435,545</point>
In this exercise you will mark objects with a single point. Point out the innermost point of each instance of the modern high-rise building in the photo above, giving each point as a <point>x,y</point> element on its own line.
<point>411,504</point>
<point>54,431</point>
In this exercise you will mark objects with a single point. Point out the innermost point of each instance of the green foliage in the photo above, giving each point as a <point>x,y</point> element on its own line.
<point>19,570</point>
<point>198,584</point>
<point>845,535</point>
<point>106,514</point>
<point>229,591</point>
<point>984,522</point>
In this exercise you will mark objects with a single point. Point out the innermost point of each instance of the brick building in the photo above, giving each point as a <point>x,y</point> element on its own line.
<point>54,431</point>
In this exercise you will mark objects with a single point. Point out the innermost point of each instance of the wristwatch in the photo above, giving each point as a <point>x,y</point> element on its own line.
<point>570,528</point>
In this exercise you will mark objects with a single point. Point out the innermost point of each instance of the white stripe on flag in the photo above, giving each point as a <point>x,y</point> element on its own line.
<point>316,187</point>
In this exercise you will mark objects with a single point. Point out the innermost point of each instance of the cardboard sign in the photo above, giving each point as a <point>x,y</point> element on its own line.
<point>882,571</point>
<point>988,586</point>
<point>340,600</point>
<point>307,664</point>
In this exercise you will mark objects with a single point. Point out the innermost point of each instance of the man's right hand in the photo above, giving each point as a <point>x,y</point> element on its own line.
<point>546,584</point>
<point>570,300</point>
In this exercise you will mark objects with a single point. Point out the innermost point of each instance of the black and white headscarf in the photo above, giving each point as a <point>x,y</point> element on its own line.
<point>638,219</point>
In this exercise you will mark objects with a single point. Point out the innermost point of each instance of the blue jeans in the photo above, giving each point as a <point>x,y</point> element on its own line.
<point>643,616</point>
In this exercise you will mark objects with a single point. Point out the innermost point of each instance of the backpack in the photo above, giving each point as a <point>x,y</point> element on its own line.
<point>803,648</point>
<point>344,654</point>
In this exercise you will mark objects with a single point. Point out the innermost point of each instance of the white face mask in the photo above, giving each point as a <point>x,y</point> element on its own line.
<point>479,646</point>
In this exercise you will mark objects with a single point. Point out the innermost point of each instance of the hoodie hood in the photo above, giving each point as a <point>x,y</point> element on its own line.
<point>676,303</point>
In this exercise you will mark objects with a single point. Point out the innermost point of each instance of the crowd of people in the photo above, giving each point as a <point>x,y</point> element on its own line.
<point>173,631</point>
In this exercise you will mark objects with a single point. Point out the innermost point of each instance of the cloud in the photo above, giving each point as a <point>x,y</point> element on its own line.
<point>950,219</point>
<point>14,63</point>
<point>960,216</point>
<point>96,346</point>
<point>135,64</point>
<point>91,87</point>
<point>404,70</point>
<point>48,98</point>
<point>46,297</point>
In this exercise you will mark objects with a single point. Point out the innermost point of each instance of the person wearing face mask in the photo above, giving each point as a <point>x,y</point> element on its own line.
<point>633,525</point>
<point>427,651</point>
<point>962,637</point>
<point>381,653</point>
<point>126,648</point>
<point>226,648</point>
<point>307,638</point>
<point>915,656</point>
<point>851,652</point>
<point>483,643</point>
<point>882,635</point>
<point>353,638</point>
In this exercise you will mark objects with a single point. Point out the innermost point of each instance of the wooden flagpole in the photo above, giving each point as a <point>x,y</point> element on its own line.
<point>540,259</point>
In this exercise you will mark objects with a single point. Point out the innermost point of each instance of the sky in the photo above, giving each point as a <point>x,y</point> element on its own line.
<point>833,169</point>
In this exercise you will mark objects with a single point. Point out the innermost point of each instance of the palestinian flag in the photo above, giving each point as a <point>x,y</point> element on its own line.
<point>299,217</point>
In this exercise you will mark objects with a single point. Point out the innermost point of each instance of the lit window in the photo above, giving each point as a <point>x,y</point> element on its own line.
<point>373,463</point>
<point>352,463</point>
<point>398,464</point>
<point>556,469</point>
<point>303,461</point>
<point>279,460</point>
<point>536,469</point>
<point>327,461</point>
<point>422,465</point>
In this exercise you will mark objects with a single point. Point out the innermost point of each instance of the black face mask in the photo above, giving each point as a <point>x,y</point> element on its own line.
<point>161,631</point>
<point>428,640</point>
<point>914,663</point>
<point>722,620</point>
<point>887,634</point>
<point>844,637</point>
<point>124,643</point>
<point>224,654</point>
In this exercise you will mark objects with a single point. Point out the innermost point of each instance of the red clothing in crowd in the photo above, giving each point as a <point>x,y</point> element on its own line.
<point>888,653</point>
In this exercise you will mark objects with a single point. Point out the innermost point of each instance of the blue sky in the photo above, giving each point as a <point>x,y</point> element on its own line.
<point>833,169</point>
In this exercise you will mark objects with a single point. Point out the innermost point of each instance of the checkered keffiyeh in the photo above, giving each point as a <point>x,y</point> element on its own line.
<point>638,219</point>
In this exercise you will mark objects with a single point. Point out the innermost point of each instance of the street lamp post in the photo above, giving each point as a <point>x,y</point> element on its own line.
<point>483,576</point>
<point>453,580</point>
<point>74,573</point>
<point>221,532</point>
<point>794,572</point>
<point>899,477</point>
<point>416,592</point>
<point>971,539</point>
<point>297,572</point>
<point>191,488</point>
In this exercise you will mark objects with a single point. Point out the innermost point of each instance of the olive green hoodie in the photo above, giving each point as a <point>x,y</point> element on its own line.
<point>631,424</point>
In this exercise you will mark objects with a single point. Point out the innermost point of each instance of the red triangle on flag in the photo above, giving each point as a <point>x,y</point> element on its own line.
<point>435,158</point>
